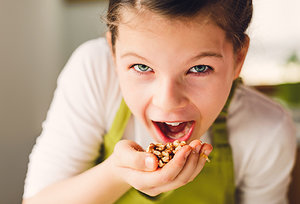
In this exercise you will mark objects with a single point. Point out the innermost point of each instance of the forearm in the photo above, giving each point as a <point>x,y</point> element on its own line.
<point>98,185</point>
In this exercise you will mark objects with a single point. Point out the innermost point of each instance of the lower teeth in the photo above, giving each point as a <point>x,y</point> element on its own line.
<point>180,134</point>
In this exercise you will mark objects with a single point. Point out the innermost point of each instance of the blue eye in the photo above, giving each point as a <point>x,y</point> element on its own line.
<point>200,69</point>
<point>141,68</point>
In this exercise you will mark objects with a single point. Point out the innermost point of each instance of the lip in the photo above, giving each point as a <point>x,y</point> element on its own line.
<point>168,139</point>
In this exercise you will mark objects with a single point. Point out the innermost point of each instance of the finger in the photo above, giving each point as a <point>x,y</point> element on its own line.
<point>185,176</point>
<point>129,154</point>
<point>145,181</point>
<point>204,153</point>
<point>171,170</point>
<point>196,143</point>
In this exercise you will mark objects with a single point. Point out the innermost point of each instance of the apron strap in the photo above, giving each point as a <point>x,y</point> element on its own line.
<point>116,131</point>
<point>222,153</point>
<point>219,130</point>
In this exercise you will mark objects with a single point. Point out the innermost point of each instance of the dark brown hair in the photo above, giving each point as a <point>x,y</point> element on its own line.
<point>233,16</point>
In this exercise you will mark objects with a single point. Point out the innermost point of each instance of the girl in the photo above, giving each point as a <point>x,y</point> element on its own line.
<point>167,71</point>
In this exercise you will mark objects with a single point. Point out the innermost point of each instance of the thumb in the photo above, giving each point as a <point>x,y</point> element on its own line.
<point>129,154</point>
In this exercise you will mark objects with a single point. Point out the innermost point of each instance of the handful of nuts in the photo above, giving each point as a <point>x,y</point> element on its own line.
<point>165,152</point>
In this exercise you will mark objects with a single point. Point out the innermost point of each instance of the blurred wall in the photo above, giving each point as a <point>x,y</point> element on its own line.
<point>36,40</point>
<point>274,38</point>
<point>82,21</point>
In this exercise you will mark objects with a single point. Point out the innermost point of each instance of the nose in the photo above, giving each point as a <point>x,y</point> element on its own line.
<point>170,95</point>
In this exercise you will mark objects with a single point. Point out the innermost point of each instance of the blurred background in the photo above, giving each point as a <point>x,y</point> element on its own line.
<point>38,37</point>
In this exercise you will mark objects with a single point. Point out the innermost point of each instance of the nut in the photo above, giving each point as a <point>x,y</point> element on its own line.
<point>165,152</point>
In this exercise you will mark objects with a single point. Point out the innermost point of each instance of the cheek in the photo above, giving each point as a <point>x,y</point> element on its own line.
<point>133,94</point>
<point>210,99</point>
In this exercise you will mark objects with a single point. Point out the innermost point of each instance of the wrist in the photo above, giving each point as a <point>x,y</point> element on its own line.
<point>115,174</point>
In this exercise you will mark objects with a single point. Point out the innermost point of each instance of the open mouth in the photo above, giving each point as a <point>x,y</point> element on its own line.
<point>171,131</point>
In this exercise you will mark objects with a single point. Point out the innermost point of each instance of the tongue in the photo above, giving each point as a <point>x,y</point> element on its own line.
<point>176,129</point>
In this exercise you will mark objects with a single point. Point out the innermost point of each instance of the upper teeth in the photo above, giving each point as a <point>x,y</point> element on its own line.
<point>173,124</point>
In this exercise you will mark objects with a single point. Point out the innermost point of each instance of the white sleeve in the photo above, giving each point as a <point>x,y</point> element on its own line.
<point>268,172</point>
<point>73,130</point>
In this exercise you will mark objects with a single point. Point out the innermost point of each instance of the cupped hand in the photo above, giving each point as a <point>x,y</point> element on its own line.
<point>140,169</point>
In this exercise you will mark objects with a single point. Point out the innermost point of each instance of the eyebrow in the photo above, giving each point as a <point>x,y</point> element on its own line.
<point>196,57</point>
<point>132,54</point>
<point>206,54</point>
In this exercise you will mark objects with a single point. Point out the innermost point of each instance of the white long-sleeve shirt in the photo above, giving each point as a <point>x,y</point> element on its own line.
<point>87,98</point>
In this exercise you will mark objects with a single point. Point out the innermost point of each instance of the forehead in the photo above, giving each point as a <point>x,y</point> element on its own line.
<point>139,28</point>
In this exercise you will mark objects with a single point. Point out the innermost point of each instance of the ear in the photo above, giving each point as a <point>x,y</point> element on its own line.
<point>108,39</point>
<point>240,57</point>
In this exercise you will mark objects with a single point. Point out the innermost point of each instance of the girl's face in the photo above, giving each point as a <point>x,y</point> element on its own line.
<point>175,75</point>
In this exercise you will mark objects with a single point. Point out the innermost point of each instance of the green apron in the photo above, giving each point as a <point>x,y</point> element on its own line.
<point>214,184</point>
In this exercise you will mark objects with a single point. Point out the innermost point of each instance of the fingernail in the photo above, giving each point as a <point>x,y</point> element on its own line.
<point>149,163</point>
<point>207,152</point>
<point>201,143</point>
